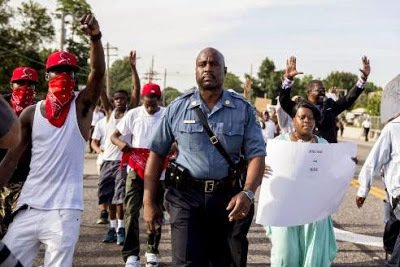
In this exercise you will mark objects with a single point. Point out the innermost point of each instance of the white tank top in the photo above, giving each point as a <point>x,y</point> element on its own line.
<point>55,179</point>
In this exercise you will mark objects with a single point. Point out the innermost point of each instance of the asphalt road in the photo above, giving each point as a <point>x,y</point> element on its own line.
<point>91,252</point>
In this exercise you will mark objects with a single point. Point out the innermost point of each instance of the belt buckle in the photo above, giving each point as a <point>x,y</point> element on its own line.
<point>209,186</point>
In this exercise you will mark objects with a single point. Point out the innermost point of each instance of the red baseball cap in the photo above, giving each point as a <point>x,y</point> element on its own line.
<point>24,73</point>
<point>62,58</point>
<point>151,88</point>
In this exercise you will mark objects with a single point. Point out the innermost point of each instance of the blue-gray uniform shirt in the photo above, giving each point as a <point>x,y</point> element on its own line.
<point>232,119</point>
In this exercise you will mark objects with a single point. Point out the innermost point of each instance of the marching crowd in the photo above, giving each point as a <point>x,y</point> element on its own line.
<point>201,160</point>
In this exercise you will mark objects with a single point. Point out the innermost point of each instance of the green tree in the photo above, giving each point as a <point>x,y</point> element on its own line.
<point>23,32</point>
<point>300,85</point>
<point>75,41</point>
<point>170,94</point>
<point>266,77</point>
<point>374,103</point>
<point>340,79</point>
<point>233,82</point>
<point>120,75</point>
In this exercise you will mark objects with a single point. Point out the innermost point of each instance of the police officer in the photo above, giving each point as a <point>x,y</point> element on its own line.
<point>204,202</point>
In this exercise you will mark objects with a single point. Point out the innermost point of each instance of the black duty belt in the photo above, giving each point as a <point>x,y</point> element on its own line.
<point>206,185</point>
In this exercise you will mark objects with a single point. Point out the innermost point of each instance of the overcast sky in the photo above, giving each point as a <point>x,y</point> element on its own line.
<point>325,35</point>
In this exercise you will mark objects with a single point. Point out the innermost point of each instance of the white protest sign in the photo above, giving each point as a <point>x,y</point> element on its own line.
<point>308,181</point>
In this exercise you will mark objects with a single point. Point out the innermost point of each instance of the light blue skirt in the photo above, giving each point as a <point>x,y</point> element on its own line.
<point>308,245</point>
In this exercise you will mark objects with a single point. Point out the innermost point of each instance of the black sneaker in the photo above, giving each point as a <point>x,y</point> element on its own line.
<point>103,218</point>
<point>111,236</point>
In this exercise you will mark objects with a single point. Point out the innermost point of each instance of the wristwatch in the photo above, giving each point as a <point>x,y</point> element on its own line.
<point>250,194</point>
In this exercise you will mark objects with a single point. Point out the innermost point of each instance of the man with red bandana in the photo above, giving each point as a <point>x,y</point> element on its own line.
<point>51,202</point>
<point>22,83</point>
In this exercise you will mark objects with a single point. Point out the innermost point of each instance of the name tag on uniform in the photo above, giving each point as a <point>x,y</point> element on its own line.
<point>189,121</point>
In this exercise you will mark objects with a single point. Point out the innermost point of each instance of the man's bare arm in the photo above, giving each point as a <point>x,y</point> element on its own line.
<point>135,94</point>
<point>95,144</point>
<point>10,161</point>
<point>12,132</point>
<point>94,84</point>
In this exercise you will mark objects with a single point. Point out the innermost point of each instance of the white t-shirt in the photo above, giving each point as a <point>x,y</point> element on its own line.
<point>111,151</point>
<point>366,124</point>
<point>269,131</point>
<point>97,115</point>
<point>141,125</point>
<point>99,133</point>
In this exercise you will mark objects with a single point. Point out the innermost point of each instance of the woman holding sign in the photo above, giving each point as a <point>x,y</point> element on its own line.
<point>312,244</point>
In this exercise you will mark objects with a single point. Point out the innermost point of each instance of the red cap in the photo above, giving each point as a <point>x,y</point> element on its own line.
<point>24,73</point>
<point>61,58</point>
<point>151,88</point>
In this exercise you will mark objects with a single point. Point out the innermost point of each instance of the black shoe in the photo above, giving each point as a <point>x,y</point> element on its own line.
<point>111,236</point>
<point>103,218</point>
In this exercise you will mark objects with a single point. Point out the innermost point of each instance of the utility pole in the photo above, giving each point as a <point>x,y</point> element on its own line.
<point>165,85</point>
<point>62,38</point>
<point>108,55</point>
<point>150,75</point>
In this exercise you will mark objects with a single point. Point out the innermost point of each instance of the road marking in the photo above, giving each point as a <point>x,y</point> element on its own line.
<point>375,191</point>
<point>361,239</point>
<point>366,240</point>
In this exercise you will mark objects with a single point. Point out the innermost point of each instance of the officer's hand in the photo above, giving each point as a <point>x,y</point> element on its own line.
<point>90,26</point>
<point>240,206</point>
<point>152,215</point>
<point>360,201</point>
<point>291,71</point>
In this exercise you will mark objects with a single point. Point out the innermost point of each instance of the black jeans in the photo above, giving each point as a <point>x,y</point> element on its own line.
<point>199,228</point>
<point>237,239</point>
<point>133,202</point>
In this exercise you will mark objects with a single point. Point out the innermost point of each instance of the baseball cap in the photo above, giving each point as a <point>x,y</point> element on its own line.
<point>62,58</point>
<point>24,73</point>
<point>151,88</point>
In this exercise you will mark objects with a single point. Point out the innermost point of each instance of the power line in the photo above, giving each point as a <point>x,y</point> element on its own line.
<point>35,61</point>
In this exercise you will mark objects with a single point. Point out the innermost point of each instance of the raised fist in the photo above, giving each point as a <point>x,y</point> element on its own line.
<point>90,26</point>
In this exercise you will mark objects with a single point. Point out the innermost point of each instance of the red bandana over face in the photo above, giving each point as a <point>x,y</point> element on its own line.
<point>21,98</point>
<point>58,98</point>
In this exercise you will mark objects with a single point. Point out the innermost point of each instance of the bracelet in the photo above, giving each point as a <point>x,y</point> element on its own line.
<point>95,37</point>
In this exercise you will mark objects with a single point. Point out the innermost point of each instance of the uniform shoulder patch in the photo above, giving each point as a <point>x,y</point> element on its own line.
<point>184,96</point>
<point>236,95</point>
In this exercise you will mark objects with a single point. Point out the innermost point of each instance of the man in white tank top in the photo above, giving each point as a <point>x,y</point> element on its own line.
<point>51,201</point>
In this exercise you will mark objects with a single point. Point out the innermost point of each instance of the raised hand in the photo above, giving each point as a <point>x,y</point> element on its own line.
<point>90,26</point>
<point>366,68</point>
<point>291,71</point>
<point>132,58</point>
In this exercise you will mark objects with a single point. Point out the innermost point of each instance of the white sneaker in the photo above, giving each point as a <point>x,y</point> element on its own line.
<point>132,261</point>
<point>151,260</point>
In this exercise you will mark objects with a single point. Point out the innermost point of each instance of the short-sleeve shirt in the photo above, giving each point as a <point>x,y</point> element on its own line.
<point>233,120</point>
<point>99,132</point>
<point>141,125</point>
<point>111,151</point>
